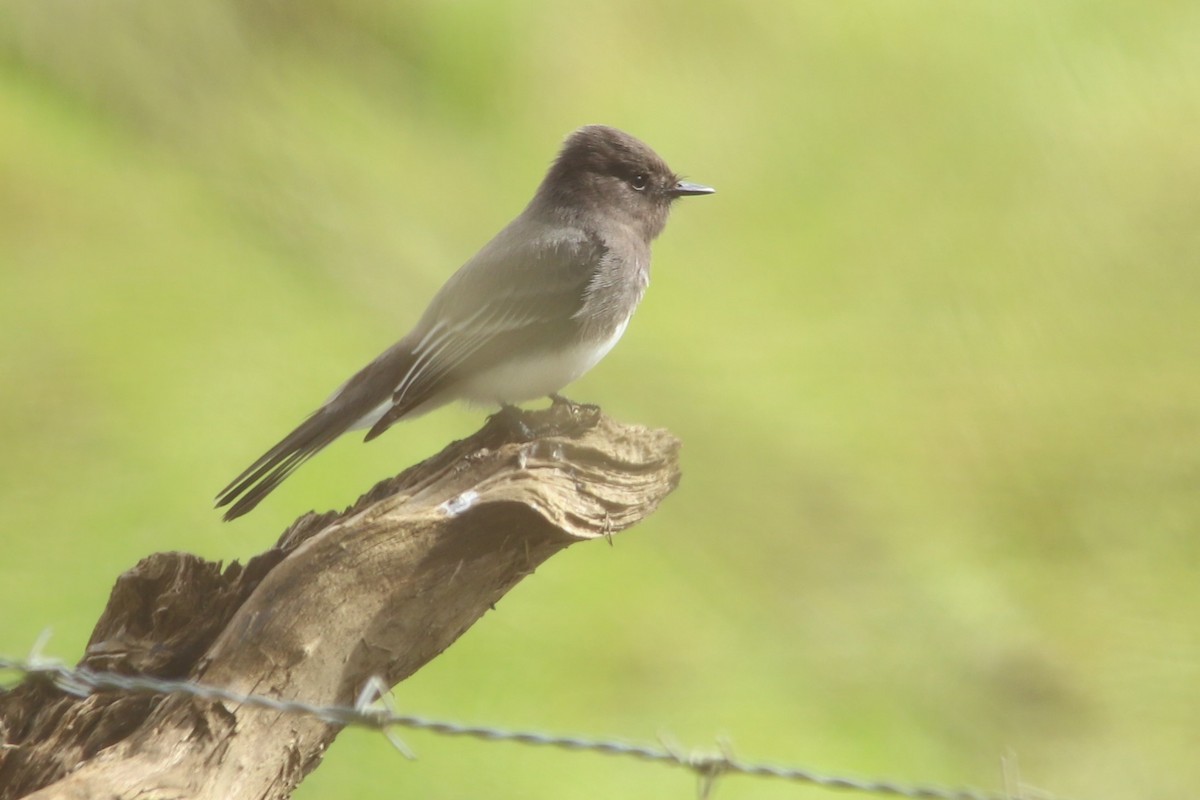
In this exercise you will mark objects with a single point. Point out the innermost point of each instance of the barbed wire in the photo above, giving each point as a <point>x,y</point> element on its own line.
<point>374,709</point>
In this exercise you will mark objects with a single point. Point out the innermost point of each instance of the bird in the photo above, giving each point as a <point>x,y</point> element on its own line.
<point>538,306</point>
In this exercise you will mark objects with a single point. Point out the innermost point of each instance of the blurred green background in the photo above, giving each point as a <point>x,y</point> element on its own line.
<point>933,350</point>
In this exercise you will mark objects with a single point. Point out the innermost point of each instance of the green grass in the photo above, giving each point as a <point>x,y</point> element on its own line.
<point>932,350</point>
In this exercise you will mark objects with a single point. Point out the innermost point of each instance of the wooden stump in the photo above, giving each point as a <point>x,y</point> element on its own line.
<point>375,591</point>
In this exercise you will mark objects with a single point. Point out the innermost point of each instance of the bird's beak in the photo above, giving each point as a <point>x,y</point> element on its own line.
<point>683,189</point>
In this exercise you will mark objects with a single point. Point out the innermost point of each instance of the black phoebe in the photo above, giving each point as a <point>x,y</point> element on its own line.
<point>536,308</point>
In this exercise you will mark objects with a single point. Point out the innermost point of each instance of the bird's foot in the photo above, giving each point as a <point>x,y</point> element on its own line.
<point>512,419</point>
<point>558,400</point>
<point>564,417</point>
<point>576,416</point>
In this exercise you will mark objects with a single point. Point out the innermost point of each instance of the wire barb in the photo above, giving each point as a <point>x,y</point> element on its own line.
<point>375,709</point>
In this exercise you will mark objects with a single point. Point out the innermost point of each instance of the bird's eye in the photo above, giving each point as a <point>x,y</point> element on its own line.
<point>639,182</point>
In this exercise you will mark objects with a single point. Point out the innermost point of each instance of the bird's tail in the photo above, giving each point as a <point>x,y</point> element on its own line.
<point>260,478</point>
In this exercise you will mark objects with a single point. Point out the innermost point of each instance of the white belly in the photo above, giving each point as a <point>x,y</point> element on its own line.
<point>529,378</point>
<point>514,381</point>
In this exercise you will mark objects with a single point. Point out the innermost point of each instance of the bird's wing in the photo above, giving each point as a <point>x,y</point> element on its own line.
<point>488,312</point>
<point>520,290</point>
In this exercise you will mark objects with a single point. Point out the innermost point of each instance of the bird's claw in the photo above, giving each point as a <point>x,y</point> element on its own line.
<point>511,418</point>
<point>558,400</point>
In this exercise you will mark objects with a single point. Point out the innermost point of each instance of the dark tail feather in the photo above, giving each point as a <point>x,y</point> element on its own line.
<point>261,477</point>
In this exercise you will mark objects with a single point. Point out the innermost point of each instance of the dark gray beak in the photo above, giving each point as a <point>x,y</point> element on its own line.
<point>684,189</point>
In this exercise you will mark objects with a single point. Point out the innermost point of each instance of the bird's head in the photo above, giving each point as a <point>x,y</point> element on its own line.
<point>601,170</point>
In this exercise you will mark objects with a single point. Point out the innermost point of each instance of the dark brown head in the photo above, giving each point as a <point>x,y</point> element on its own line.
<point>604,171</point>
